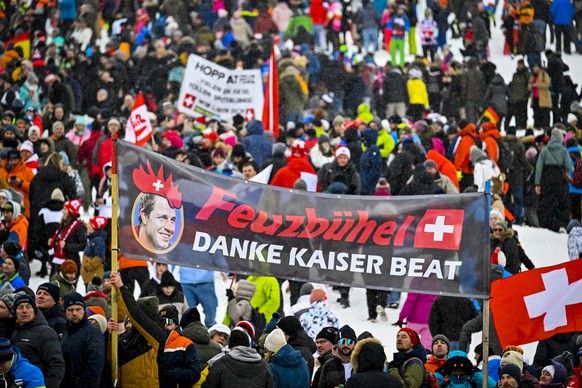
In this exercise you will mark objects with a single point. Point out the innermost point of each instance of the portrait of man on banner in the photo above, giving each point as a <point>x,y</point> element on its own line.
<point>157,216</point>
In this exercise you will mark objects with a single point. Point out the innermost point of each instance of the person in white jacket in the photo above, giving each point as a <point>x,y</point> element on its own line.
<point>485,169</point>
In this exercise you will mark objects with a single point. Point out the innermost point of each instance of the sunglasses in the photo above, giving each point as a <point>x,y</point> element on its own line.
<point>168,321</point>
<point>498,230</point>
<point>344,341</point>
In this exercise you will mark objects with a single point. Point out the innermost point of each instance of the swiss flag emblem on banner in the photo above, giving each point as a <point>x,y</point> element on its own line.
<point>537,304</point>
<point>139,128</point>
<point>440,229</point>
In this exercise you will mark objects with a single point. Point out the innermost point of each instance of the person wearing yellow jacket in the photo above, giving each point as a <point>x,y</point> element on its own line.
<point>417,94</point>
<point>139,346</point>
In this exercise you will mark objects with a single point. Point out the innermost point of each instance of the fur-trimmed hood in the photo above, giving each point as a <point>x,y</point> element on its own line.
<point>368,355</point>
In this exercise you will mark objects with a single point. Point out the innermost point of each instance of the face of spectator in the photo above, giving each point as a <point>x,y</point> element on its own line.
<point>10,135</point>
<point>160,269</point>
<point>9,268</point>
<point>44,300</point>
<point>546,377</point>
<point>168,290</point>
<point>59,113</point>
<point>346,346</point>
<point>75,314</point>
<point>25,154</point>
<point>113,128</point>
<point>507,381</point>
<point>4,311</point>
<point>5,365</point>
<point>7,214</point>
<point>59,131</point>
<point>44,148</point>
<point>403,342</point>
<point>342,160</point>
<point>440,349</point>
<point>498,231</point>
<point>323,346</point>
<point>220,338</point>
<point>248,172</point>
<point>24,313</point>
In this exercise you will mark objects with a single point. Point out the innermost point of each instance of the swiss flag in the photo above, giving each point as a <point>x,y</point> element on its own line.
<point>537,304</point>
<point>139,128</point>
<point>440,229</point>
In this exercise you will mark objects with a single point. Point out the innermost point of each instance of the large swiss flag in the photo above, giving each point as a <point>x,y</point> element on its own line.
<point>537,304</point>
<point>440,229</point>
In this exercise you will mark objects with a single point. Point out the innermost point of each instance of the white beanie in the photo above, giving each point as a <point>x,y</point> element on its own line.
<point>275,341</point>
<point>343,151</point>
<point>550,369</point>
<point>572,117</point>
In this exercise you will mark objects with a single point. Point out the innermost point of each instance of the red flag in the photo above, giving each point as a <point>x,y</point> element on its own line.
<point>440,229</point>
<point>139,128</point>
<point>538,304</point>
<point>22,41</point>
<point>271,102</point>
<point>492,115</point>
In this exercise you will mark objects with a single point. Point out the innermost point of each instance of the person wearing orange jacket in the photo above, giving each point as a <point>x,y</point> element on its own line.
<point>468,137</point>
<point>15,224</point>
<point>445,166</point>
<point>489,134</point>
<point>14,171</point>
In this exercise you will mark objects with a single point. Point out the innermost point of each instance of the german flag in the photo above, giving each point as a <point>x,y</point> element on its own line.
<point>492,115</point>
<point>22,41</point>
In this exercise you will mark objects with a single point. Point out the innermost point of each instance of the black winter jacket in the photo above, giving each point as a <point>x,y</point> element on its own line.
<point>40,345</point>
<point>302,342</point>
<point>242,367</point>
<point>84,353</point>
<point>448,314</point>
<point>56,319</point>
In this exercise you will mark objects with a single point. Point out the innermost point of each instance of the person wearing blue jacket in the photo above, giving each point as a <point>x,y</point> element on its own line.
<point>12,363</point>
<point>562,13</point>
<point>68,9</point>
<point>198,287</point>
<point>370,163</point>
<point>256,144</point>
<point>461,373</point>
<point>288,367</point>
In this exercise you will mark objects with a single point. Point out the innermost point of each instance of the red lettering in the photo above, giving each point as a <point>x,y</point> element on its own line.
<point>216,201</point>
<point>241,216</point>
<point>363,224</point>
<point>315,226</point>
<point>291,231</point>
<point>258,225</point>
<point>383,234</point>
<point>332,233</point>
<point>399,239</point>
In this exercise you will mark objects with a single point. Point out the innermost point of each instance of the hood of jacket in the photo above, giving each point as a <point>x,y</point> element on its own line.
<point>470,129</point>
<point>370,137</point>
<point>255,127</point>
<point>302,339</point>
<point>245,290</point>
<point>16,210</point>
<point>288,357</point>
<point>368,355</point>
<point>197,333</point>
<point>245,354</point>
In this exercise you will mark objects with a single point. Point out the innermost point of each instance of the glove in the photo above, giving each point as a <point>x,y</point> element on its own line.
<point>229,294</point>
<point>272,325</point>
<point>399,323</point>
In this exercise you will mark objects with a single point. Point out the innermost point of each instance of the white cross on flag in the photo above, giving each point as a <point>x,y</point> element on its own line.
<point>440,229</point>
<point>538,304</point>
<point>139,128</point>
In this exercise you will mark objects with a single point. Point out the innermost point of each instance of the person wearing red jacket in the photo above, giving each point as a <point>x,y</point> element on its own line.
<point>489,134</point>
<point>445,166</point>
<point>298,163</point>
<point>468,137</point>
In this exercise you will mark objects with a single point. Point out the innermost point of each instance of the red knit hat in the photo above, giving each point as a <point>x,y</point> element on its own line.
<point>98,222</point>
<point>69,266</point>
<point>414,337</point>
<point>73,206</point>
<point>317,295</point>
<point>248,327</point>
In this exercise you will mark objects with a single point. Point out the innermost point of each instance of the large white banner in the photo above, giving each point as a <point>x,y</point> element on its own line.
<point>212,90</point>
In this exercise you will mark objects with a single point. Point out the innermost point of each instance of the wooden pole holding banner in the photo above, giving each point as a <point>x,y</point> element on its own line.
<point>487,274</point>
<point>114,258</point>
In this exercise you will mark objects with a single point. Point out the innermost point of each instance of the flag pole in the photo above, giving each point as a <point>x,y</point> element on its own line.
<point>486,313</point>
<point>114,258</point>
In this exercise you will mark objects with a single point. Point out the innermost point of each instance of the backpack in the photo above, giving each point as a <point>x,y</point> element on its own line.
<point>429,380</point>
<point>259,321</point>
<point>577,175</point>
<point>505,159</point>
<point>538,40</point>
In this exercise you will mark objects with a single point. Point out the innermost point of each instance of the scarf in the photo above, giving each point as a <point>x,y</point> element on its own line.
<point>62,234</point>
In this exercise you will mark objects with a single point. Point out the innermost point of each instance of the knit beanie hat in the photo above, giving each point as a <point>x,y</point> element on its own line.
<point>512,370</point>
<point>329,333</point>
<point>92,310</point>
<point>306,289</point>
<point>248,327</point>
<point>566,360</point>
<point>347,332</point>
<point>343,151</point>
<point>238,337</point>
<point>73,299</point>
<point>275,341</point>
<point>557,135</point>
<point>96,284</point>
<point>189,316</point>
<point>6,352</point>
<point>289,324</point>
<point>513,357</point>
<point>73,206</point>
<point>219,328</point>
<point>24,298</point>
<point>317,295</point>
<point>149,305</point>
<point>170,312</point>
<point>167,279</point>
<point>8,300</point>
<point>101,321</point>
<point>52,289</point>
<point>68,266</point>
<point>414,337</point>
<point>12,248</point>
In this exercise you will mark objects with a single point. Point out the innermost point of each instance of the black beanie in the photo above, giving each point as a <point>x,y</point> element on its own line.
<point>52,289</point>
<point>73,298</point>
<point>328,333</point>
<point>347,332</point>
<point>289,324</point>
<point>239,338</point>
<point>189,316</point>
<point>25,298</point>
<point>12,248</point>
<point>15,261</point>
